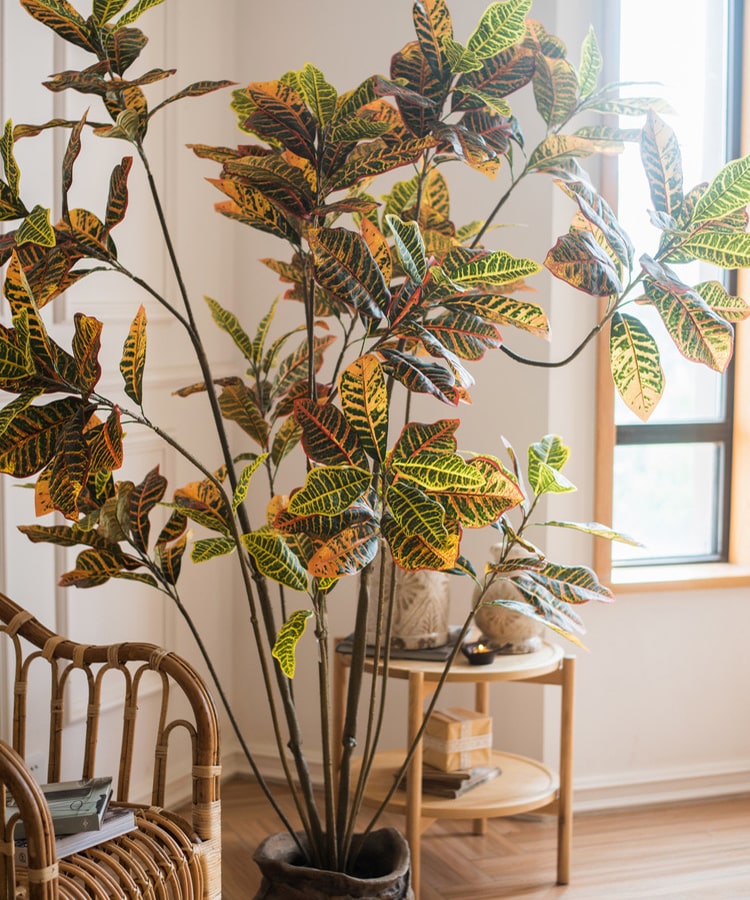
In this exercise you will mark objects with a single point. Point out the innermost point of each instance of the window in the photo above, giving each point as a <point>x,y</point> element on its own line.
<point>669,479</point>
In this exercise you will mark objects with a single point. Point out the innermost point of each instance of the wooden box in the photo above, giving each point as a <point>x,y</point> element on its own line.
<point>457,738</point>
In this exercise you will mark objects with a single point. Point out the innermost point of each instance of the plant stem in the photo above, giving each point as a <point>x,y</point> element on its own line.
<point>315,830</point>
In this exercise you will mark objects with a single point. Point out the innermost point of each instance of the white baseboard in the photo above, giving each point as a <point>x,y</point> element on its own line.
<point>647,788</point>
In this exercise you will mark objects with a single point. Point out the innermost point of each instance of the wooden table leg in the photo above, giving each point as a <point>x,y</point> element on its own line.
<point>414,778</point>
<point>565,812</point>
<point>481,705</point>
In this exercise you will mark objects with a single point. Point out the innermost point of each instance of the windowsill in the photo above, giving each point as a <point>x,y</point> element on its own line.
<point>701,576</point>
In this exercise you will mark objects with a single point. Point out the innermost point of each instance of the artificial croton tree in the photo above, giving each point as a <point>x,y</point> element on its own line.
<point>390,297</point>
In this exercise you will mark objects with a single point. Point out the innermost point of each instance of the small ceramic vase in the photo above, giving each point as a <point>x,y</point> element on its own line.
<point>506,630</point>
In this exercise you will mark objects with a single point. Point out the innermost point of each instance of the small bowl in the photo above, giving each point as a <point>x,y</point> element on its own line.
<point>478,653</point>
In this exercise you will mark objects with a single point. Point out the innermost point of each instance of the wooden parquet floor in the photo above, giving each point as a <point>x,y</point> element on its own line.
<point>695,851</point>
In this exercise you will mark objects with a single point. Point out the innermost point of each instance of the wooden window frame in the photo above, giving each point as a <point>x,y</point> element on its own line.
<point>699,576</point>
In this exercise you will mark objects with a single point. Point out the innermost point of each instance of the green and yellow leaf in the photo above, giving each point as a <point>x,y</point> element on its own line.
<point>284,649</point>
<point>364,402</point>
<point>275,560</point>
<point>243,483</point>
<point>636,365</point>
<point>329,490</point>
<point>133,362</point>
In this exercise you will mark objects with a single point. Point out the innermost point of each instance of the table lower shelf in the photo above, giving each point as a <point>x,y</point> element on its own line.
<point>523,785</point>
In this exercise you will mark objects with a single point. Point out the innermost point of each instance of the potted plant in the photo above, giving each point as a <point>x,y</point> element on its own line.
<point>415,299</point>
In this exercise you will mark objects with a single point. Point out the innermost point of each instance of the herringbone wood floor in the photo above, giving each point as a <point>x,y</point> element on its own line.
<point>696,851</point>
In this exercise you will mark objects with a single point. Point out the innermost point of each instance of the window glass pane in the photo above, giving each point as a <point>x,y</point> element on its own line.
<point>691,75</point>
<point>665,497</point>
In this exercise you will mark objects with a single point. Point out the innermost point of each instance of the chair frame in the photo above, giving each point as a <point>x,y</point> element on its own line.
<point>99,868</point>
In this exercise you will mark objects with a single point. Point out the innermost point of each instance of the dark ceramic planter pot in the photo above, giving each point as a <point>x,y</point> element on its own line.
<point>383,871</point>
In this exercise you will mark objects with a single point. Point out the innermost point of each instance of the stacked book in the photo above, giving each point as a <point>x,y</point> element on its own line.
<point>456,783</point>
<point>81,817</point>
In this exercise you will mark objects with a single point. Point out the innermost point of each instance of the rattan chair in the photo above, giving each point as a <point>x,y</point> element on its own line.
<point>167,856</point>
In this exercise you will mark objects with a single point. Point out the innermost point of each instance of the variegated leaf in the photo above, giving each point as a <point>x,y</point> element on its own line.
<point>498,76</point>
<point>168,558</point>
<point>205,503</point>
<point>36,229</point>
<point>494,268</point>
<point>546,460</point>
<point>70,466</point>
<point>421,92</point>
<point>105,443</point>
<point>275,560</point>
<point>104,10</point>
<point>364,402</point>
<point>636,365</point>
<point>133,362</point>
<point>318,527</point>
<point>136,12</point>
<point>62,18</point>
<point>239,405</point>
<point>10,166</point>
<point>243,482</point>
<point>662,163</point>
<point>295,368</point>
<point>460,59</point>
<point>71,154</point>
<point>285,646</point>
<point>558,149</point>
<point>627,106</point>
<point>319,95</point>
<point>724,249</point>
<point>346,553</point>
<point>196,89</point>
<point>18,404</point>
<point>416,437</point>
<point>437,471</point>
<point>732,309</point>
<point>86,344</point>
<point>93,567</point>
<point>117,201</point>
<point>409,246</point>
<point>327,437</point>
<point>578,260</point>
<point>329,490</point>
<point>483,505</point>
<point>501,26</point>
<point>281,116</point>
<point>419,376</point>
<point>697,331</point>
<point>379,248</point>
<point>601,218</point>
<point>573,584</point>
<point>372,158</point>
<point>31,438</point>
<point>729,191</point>
<point>16,362</point>
<point>555,90</point>
<point>143,498</point>
<point>504,310</point>
<point>285,440</point>
<point>432,23</point>
<point>254,209</point>
<point>209,548</point>
<point>591,63</point>
<point>595,529</point>
<point>464,334</point>
<point>414,552</point>
<point>416,512</point>
<point>64,535</point>
<point>345,267</point>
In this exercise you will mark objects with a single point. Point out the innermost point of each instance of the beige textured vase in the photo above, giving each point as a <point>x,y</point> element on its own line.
<point>506,630</point>
<point>421,608</point>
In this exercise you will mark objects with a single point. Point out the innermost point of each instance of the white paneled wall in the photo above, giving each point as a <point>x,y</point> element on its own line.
<point>662,709</point>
